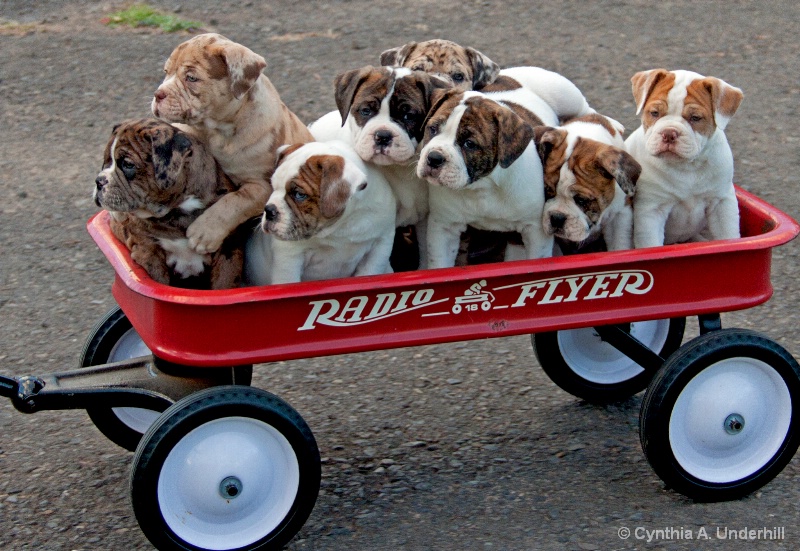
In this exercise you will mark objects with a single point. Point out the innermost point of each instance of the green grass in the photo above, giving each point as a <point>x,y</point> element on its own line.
<point>142,15</point>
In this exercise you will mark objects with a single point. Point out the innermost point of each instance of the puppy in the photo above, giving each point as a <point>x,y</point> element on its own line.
<point>471,70</point>
<point>381,113</point>
<point>589,182</point>
<point>331,215</point>
<point>685,191</point>
<point>215,86</point>
<point>479,156</point>
<point>156,181</point>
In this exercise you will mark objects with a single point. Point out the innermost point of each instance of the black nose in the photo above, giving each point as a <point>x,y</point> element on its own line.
<point>383,137</point>
<point>557,220</point>
<point>435,159</point>
<point>271,213</point>
<point>101,181</point>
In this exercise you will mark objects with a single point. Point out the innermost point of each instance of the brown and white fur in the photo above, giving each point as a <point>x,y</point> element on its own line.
<point>589,182</point>
<point>331,215</point>
<point>216,87</point>
<point>472,70</point>
<point>156,180</point>
<point>484,170</point>
<point>685,192</point>
<point>381,113</point>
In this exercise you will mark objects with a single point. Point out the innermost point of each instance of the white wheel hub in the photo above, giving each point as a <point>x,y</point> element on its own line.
<point>598,362</point>
<point>131,345</point>
<point>730,420</point>
<point>246,459</point>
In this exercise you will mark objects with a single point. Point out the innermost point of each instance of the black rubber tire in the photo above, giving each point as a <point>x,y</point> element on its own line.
<point>714,350</point>
<point>197,410</point>
<point>548,351</point>
<point>97,350</point>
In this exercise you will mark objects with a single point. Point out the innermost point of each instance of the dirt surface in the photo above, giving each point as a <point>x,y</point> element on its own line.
<point>466,446</point>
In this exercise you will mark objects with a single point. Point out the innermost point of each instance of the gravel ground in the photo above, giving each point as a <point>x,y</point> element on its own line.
<point>465,446</point>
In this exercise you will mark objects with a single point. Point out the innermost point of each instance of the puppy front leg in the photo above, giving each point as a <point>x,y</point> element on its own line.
<point>422,240</point>
<point>376,261</point>
<point>287,263</point>
<point>648,226</point>
<point>723,219</point>
<point>207,233</point>
<point>443,240</point>
<point>618,234</point>
<point>537,243</point>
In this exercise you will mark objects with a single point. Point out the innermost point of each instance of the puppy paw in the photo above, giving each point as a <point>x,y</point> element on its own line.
<point>205,236</point>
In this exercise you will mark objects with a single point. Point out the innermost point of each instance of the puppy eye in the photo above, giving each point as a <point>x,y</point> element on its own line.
<point>695,118</point>
<point>433,130</point>
<point>365,111</point>
<point>418,68</point>
<point>458,77</point>
<point>299,196</point>
<point>409,116</point>
<point>126,165</point>
<point>582,202</point>
<point>654,114</point>
<point>191,78</point>
<point>469,144</point>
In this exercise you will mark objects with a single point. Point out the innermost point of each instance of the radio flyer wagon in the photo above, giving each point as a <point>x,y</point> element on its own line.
<point>220,465</point>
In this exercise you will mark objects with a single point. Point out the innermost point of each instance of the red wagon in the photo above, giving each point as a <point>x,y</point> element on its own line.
<point>221,465</point>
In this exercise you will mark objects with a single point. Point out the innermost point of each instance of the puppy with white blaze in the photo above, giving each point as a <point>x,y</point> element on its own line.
<point>479,156</point>
<point>330,215</point>
<point>685,192</point>
<point>381,113</point>
<point>589,182</point>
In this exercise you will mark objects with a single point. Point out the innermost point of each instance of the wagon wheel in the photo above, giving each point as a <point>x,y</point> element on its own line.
<point>580,363</point>
<point>225,468</point>
<point>720,418</point>
<point>113,339</point>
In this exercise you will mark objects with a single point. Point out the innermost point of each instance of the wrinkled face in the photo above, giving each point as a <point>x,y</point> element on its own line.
<point>681,110</point>
<point>467,136</point>
<point>468,68</point>
<point>143,169</point>
<point>583,178</point>
<point>312,186</point>
<point>206,77</point>
<point>384,110</point>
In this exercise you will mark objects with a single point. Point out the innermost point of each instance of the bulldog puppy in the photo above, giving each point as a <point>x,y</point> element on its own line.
<point>471,70</point>
<point>589,183</point>
<point>685,191</point>
<point>216,87</point>
<point>381,113</point>
<point>156,181</point>
<point>479,156</point>
<point>331,215</point>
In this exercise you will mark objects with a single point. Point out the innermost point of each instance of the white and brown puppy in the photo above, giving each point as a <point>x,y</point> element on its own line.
<point>485,172</point>
<point>381,113</point>
<point>589,182</point>
<point>472,70</point>
<point>331,215</point>
<point>216,87</point>
<point>685,192</point>
<point>156,181</point>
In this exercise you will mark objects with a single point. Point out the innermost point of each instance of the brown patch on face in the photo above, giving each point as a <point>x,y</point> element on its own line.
<point>650,89</point>
<point>411,101</point>
<point>551,144</point>
<point>469,68</point>
<point>360,92</point>
<point>317,195</point>
<point>704,97</point>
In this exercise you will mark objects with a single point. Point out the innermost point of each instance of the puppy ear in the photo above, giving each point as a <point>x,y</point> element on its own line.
<point>643,83</point>
<point>395,57</point>
<point>438,97</point>
<point>514,136</point>
<point>547,139</point>
<point>725,99</point>
<point>622,167</point>
<point>243,65</point>
<point>484,70</point>
<point>345,87</point>
<point>284,151</point>
<point>170,149</point>
<point>334,190</point>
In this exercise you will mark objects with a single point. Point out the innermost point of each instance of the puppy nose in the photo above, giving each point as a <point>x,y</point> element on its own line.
<point>101,181</point>
<point>670,135</point>
<point>160,95</point>
<point>271,213</point>
<point>383,137</point>
<point>435,159</point>
<point>557,220</point>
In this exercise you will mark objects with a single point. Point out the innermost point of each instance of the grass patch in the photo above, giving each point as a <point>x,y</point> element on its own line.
<point>142,15</point>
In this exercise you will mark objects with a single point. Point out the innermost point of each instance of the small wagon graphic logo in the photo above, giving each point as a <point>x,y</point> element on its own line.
<point>474,298</point>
